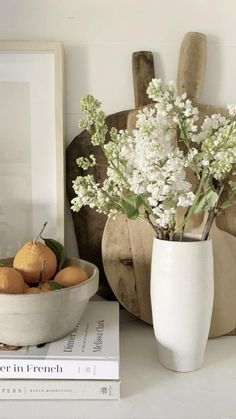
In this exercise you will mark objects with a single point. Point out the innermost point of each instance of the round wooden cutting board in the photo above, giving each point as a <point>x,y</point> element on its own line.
<point>126,250</point>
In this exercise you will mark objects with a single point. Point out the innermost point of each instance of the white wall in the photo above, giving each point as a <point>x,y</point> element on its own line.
<point>99,37</point>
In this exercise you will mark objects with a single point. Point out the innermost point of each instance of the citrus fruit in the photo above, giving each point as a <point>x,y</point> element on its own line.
<point>35,261</point>
<point>32,290</point>
<point>45,287</point>
<point>26,286</point>
<point>71,275</point>
<point>11,281</point>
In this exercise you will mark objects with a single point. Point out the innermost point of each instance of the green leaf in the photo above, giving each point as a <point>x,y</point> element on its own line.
<point>55,285</point>
<point>208,200</point>
<point>212,198</point>
<point>130,204</point>
<point>58,249</point>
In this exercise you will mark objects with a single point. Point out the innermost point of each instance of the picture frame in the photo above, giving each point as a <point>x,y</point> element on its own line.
<point>32,178</point>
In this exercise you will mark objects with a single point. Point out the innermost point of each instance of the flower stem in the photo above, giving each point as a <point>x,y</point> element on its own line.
<point>211,217</point>
<point>148,221</point>
<point>191,209</point>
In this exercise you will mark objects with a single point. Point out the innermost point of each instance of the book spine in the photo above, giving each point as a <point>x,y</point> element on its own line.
<point>63,389</point>
<point>59,369</point>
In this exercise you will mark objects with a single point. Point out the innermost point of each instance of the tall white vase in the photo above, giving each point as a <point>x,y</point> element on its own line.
<point>182,291</point>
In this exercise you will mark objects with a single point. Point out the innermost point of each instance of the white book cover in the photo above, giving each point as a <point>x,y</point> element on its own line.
<point>59,389</point>
<point>91,351</point>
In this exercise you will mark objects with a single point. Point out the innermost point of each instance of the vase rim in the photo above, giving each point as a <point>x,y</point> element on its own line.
<point>191,239</point>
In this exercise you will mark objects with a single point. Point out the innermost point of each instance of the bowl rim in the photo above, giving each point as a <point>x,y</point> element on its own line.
<point>92,278</point>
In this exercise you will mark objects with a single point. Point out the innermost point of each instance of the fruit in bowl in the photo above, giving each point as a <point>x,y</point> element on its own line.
<point>11,281</point>
<point>44,308</point>
<point>32,259</point>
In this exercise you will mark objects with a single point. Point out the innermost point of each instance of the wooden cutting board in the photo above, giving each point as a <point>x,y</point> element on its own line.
<point>88,224</point>
<point>127,266</point>
<point>126,251</point>
<point>224,244</point>
<point>223,234</point>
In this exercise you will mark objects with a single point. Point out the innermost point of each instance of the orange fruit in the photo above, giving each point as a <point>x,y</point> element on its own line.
<point>26,286</point>
<point>11,281</point>
<point>71,275</point>
<point>32,290</point>
<point>32,259</point>
<point>45,287</point>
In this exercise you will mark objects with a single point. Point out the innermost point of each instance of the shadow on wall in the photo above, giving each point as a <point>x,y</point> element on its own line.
<point>76,84</point>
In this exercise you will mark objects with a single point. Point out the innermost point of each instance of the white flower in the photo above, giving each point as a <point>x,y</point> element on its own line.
<point>85,162</point>
<point>186,200</point>
<point>146,170</point>
<point>232,109</point>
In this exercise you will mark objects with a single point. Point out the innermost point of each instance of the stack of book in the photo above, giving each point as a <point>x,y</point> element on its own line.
<point>83,365</point>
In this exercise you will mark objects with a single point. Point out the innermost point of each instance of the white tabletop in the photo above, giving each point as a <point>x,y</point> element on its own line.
<point>149,391</point>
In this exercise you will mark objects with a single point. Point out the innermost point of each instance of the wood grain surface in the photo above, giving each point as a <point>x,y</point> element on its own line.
<point>143,73</point>
<point>126,251</point>
<point>192,64</point>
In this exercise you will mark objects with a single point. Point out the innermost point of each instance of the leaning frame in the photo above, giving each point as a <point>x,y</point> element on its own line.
<point>32,175</point>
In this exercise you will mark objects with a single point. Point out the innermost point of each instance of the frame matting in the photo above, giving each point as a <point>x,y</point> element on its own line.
<point>32,177</point>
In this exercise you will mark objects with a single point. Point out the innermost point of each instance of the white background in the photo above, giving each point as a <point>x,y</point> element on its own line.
<point>99,37</point>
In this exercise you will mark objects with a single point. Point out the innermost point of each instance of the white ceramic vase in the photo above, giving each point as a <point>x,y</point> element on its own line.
<point>182,292</point>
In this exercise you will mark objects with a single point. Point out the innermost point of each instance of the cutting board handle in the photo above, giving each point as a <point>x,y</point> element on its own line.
<point>143,73</point>
<point>192,64</point>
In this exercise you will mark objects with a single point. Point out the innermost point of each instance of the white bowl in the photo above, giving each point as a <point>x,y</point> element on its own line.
<point>31,319</point>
